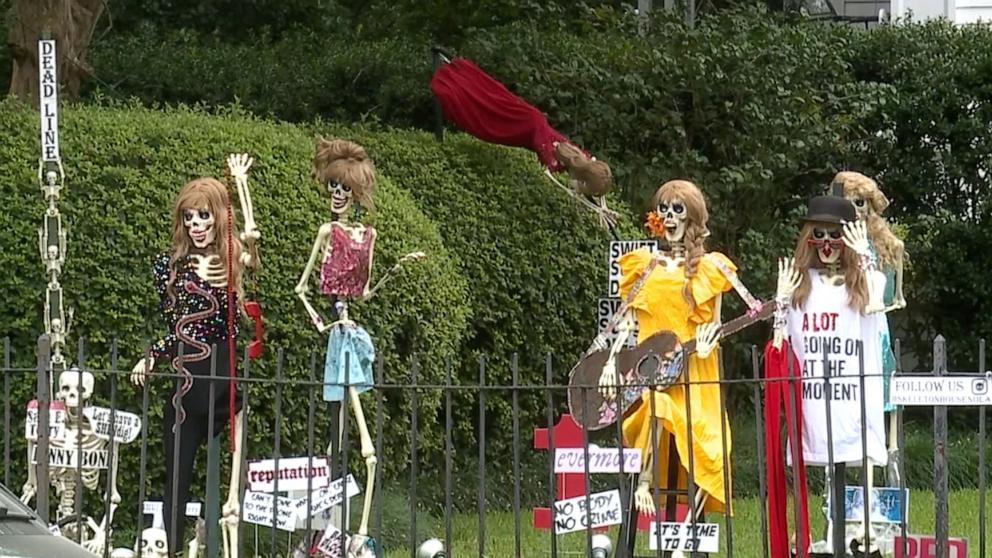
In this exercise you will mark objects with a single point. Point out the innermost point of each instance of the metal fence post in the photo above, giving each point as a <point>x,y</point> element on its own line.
<point>940,453</point>
<point>44,387</point>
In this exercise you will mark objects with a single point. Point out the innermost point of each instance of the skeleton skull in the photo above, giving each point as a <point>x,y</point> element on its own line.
<point>70,392</point>
<point>153,543</point>
<point>51,177</point>
<point>674,215</point>
<point>861,206</point>
<point>199,225</point>
<point>829,242</point>
<point>53,252</point>
<point>341,195</point>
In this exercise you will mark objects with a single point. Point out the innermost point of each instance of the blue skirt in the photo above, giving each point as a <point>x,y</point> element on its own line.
<point>349,344</point>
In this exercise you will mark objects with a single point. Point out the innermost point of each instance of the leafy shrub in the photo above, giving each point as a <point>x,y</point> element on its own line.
<point>124,167</point>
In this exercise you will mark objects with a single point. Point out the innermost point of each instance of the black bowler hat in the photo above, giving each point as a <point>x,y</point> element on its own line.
<point>832,208</point>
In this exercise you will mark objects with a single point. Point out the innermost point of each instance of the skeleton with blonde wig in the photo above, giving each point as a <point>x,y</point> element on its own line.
<point>678,290</point>
<point>344,252</point>
<point>199,282</point>
<point>830,311</point>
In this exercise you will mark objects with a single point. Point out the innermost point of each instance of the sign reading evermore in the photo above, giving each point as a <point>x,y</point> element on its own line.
<point>603,509</point>
<point>601,460</point>
<point>49,96</point>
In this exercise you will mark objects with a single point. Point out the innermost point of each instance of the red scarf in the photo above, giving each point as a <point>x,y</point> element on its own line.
<point>777,389</point>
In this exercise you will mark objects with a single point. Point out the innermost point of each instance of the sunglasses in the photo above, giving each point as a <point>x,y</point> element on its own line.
<point>821,237</point>
<point>254,311</point>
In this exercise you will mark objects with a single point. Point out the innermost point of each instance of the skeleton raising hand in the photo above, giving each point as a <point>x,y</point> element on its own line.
<point>789,279</point>
<point>238,165</point>
<point>856,237</point>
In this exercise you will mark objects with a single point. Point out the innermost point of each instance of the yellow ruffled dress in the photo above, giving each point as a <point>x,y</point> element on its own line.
<point>660,305</point>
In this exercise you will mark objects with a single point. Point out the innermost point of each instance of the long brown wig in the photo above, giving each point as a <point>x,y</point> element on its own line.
<point>593,177</point>
<point>346,162</point>
<point>806,258</point>
<point>209,193</point>
<point>695,227</point>
<point>890,249</point>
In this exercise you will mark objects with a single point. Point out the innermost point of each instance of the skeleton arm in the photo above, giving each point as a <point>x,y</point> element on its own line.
<point>899,301</point>
<point>411,257</point>
<point>856,238</point>
<point>788,281</point>
<point>608,379</point>
<point>301,287</point>
<point>238,166</point>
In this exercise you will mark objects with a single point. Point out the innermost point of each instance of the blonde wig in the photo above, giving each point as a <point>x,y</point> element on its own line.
<point>695,227</point>
<point>594,177</point>
<point>209,193</point>
<point>346,162</point>
<point>806,258</point>
<point>889,247</point>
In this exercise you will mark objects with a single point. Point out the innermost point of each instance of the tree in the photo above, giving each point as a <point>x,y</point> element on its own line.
<point>71,23</point>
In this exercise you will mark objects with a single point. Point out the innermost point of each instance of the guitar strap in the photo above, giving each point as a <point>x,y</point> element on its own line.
<point>615,320</point>
<point>754,305</point>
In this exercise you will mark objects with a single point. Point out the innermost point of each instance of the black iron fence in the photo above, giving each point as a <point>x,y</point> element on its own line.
<point>461,467</point>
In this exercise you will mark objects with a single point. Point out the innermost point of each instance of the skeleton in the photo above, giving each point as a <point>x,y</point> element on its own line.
<point>673,216</point>
<point>200,228</point>
<point>342,197</point>
<point>831,240</point>
<point>52,249</point>
<point>75,391</point>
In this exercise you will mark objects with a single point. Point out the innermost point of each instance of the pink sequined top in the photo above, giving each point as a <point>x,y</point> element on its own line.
<point>345,269</point>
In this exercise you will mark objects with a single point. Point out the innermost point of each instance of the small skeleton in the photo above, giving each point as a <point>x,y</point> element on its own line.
<point>52,249</point>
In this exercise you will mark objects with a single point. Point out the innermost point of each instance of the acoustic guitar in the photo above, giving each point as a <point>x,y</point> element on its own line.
<point>655,363</point>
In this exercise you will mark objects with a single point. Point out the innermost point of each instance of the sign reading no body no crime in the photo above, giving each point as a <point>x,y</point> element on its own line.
<point>921,390</point>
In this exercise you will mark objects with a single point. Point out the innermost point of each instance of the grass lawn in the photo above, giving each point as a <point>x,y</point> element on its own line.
<point>746,530</point>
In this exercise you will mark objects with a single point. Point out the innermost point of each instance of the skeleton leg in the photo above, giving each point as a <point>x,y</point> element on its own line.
<point>31,486</point>
<point>102,532</point>
<point>368,452</point>
<point>232,508</point>
<point>892,469</point>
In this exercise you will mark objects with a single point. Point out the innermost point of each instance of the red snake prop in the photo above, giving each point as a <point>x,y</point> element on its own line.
<point>203,350</point>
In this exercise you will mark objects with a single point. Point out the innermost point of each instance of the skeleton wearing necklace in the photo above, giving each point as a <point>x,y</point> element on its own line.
<point>683,295</point>
<point>199,282</point>
<point>345,251</point>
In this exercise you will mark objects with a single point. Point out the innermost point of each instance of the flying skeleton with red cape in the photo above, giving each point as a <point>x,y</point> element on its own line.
<point>478,104</point>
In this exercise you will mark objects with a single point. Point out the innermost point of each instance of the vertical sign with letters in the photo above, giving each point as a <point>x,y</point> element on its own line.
<point>49,100</point>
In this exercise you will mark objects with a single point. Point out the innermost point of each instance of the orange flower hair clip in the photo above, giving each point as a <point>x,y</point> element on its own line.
<point>655,225</point>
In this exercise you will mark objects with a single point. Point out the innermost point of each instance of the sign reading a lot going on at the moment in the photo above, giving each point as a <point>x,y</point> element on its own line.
<point>922,390</point>
<point>619,248</point>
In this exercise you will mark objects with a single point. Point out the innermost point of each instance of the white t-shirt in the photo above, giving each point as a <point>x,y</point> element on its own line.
<point>828,324</point>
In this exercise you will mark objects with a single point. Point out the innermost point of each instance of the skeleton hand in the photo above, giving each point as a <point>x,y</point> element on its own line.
<point>99,539</point>
<point>707,336</point>
<point>413,257</point>
<point>600,343</point>
<point>238,165</point>
<point>856,237</point>
<point>608,380</point>
<point>141,369</point>
<point>788,279</point>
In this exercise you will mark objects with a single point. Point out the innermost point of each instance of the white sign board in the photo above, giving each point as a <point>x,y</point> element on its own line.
<point>154,507</point>
<point>701,537</point>
<point>921,390</point>
<point>260,508</point>
<point>601,460</point>
<point>49,100</point>
<point>886,504</point>
<point>56,421</point>
<point>572,515</point>
<point>617,249</point>
<point>605,311</point>
<point>325,497</point>
<point>331,542</point>
<point>294,473</point>
<point>127,426</point>
<point>69,457</point>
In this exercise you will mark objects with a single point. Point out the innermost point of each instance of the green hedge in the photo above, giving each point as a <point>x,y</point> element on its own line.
<point>124,167</point>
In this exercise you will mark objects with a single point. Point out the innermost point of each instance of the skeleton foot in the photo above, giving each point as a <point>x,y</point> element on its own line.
<point>643,501</point>
<point>95,543</point>
<point>229,527</point>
